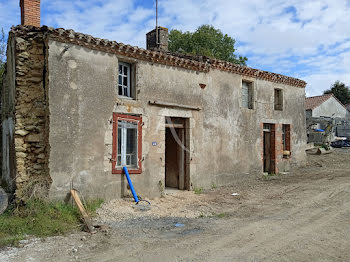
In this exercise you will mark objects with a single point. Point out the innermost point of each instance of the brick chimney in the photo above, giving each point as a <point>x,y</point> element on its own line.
<point>163,37</point>
<point>30,12</point>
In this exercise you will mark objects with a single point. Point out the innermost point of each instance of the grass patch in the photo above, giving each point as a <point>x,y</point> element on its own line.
<point>220,215</point>
<point>198,190</point>
<point>41,219</point>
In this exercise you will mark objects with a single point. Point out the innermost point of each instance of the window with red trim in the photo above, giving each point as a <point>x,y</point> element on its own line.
<point>286,140</point>
<point>127,143</point>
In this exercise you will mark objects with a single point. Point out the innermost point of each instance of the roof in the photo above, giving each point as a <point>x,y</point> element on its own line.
<point>196,63</point>
<point>314,101</point>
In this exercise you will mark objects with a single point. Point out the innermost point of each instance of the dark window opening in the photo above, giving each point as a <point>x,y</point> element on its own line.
<point>278,99</point>
<point>286,140</point>
<point>247,94</point>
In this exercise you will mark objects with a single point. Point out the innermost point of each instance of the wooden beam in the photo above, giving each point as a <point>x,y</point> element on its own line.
<point>82,210</point>
<point>166,104</point>
<point>175,125</point>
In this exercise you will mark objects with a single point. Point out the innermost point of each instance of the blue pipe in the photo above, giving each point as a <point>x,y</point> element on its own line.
<point>126,172</point>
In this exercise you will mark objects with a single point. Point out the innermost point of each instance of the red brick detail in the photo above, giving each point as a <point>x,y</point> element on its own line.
<point>30,12</point>
<point>138,119</point>
<point>287,134</point>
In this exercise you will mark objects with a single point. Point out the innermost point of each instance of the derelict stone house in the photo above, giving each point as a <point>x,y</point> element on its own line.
<point>77,108</point>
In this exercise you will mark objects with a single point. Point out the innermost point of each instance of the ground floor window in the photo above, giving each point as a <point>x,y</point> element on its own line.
<point>286,140</point>
<point>127,143</point>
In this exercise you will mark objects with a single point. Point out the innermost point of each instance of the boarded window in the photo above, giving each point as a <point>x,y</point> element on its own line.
<point>247,94</point>
<point>127,143</point>
<point>278,99</point>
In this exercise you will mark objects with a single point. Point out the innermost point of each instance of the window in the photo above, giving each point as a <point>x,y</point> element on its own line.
<point>127,143</point>
<point>278,99</point>
<point>247,94</point>
<point>286,140</point>
<point>124,80</point>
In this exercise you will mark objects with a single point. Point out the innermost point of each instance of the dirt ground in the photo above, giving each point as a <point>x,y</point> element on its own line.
<point>300,216</point>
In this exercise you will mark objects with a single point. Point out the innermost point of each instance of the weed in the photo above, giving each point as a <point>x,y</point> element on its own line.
<point>40,218</point>
<point>213,186</point>
<point>220,215</point>
<point>198,190</point>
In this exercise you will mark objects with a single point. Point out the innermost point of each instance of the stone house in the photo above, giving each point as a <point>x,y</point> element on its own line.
<point>325,106</point>
<point>77,108</point>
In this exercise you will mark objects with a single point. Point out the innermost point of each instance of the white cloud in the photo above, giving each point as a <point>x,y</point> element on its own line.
<point>306,39</point>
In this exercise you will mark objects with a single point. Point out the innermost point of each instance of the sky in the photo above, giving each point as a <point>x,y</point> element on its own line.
<point>306,39</point>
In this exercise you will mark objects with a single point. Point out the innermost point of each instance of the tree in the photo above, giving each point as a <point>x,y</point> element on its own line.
<point>207,41</point>
<point>340,91</point>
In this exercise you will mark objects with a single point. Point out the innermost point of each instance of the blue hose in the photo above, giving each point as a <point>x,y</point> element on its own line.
<point>130,184</point>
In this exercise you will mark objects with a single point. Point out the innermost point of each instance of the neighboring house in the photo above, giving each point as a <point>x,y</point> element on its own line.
<point>348,107</point>
<point>77,108</point>
<point>325,106</point>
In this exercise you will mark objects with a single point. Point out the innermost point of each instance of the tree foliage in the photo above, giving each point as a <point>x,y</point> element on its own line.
<point>340,91</point>
<point>207,41</point>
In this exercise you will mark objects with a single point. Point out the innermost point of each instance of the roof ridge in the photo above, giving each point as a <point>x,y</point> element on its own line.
<point>330,94</point>
<point>191,62</point>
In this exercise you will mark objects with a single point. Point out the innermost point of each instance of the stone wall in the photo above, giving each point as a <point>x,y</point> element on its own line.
<point>31,116</point>
<point>225,139</point>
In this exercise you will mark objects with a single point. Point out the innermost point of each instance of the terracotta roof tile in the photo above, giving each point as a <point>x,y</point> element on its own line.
<point>196,63</point>
<point>314,101</point>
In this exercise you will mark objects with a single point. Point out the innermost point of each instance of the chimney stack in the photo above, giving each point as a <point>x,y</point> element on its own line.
<point>163,37</point>
<point>30,12</point>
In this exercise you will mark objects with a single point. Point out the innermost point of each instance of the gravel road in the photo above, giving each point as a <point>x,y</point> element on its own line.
<point>301,216</point>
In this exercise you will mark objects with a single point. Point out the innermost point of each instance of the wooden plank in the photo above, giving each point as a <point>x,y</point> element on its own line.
<point>82,210</point>
<point>174,125</point>
<point>166,104</point>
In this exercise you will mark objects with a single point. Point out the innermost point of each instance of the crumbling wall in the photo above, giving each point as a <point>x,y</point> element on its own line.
<point>7,121</point>
<point>31,115</point>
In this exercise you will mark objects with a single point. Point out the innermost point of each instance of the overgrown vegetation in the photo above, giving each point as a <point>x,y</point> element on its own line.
<point>40,218</point>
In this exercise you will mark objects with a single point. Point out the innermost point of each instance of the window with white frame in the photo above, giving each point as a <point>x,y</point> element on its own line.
<point>247,94</point>
<point>127,143</point>
<point>124,80</point>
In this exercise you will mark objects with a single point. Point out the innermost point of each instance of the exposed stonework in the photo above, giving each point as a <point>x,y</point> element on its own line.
<point>31,114</point>
<point>151,39</point>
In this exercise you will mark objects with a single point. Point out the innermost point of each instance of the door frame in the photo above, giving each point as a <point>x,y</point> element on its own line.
<point>269,128</point>
<point>181,125</point>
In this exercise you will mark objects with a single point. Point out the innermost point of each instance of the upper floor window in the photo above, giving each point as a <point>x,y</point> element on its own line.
<point>247,94</point>
<point>124,81</point>
<point>278,99</point>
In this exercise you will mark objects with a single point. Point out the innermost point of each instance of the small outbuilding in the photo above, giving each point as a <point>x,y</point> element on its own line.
<point>326,105</point>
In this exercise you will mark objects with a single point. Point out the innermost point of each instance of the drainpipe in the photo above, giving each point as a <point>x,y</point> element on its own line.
<point>126,172</point>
